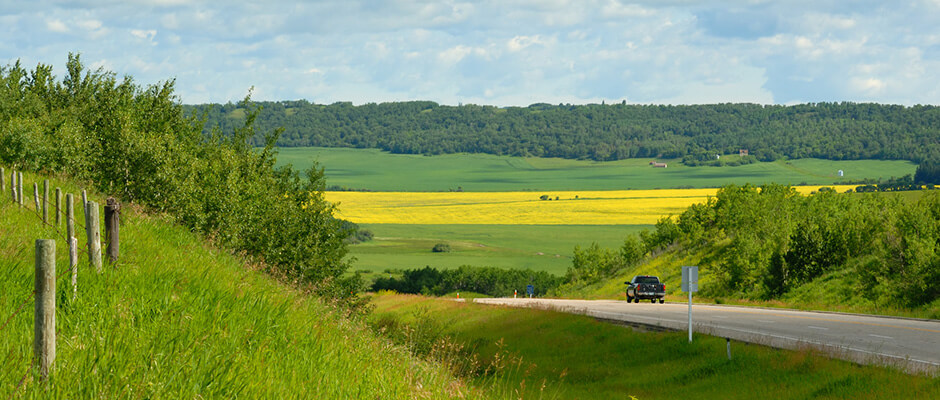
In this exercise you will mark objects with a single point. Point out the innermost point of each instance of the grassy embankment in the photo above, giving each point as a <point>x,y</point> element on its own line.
<point>179,318</point>
<point>571,356</point>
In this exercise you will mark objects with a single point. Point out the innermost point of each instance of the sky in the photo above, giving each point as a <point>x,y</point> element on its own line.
<point>500,52</point>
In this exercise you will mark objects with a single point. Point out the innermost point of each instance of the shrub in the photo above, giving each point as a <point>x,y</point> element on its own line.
<point>135,143</point>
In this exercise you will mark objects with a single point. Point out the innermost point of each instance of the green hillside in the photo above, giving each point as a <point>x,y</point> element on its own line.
<point>178,318</point>
<point>382,171</point>
<point>605,132</point>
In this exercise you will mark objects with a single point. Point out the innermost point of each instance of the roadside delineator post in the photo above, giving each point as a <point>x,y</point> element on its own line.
<point>690,284</point>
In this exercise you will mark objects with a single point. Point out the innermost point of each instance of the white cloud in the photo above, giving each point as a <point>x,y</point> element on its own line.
<point>499,51</point>
<point>455,54</point>
<point>869,85</point>
<point>144,34</point>
<point>616,9</point>
<point>518,43</point>
<point>57,26</point>
<point>89,24</point>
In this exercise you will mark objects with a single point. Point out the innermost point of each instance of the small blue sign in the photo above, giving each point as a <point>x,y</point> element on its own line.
<point>530,290</point>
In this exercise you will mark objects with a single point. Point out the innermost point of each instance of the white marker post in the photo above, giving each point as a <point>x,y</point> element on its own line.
<point>690,284</point>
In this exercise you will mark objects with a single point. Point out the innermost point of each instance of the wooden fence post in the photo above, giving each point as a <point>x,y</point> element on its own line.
<point>3,179</point>
<point>13,184</point>
<point>93,230</point>
<point>69,216</point>
<point>112,225</point>
<point>36,196</point>
<point>45,201</point>
<point>58,207</point>
<point>73,265</point>
<point>84,200</point>
<point>44,321</point>
<point>19,189</point>
<point>73,242</point>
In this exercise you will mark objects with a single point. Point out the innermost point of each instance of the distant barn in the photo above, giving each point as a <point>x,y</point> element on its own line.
<point>657,165</point>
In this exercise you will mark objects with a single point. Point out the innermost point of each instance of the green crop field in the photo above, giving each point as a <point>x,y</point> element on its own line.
<point>380,171</point>
<point>537,247</point>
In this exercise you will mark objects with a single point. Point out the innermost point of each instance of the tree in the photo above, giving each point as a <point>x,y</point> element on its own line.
<point>928,172</point>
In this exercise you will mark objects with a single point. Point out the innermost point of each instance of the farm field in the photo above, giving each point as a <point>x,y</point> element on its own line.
<point>616,207</point>
<point>380,171</point>
<point>499,220</point>
<point>537,247</point>
<point>501,229</point>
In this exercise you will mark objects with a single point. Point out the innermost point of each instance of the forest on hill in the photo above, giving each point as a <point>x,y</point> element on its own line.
<point>602,132</point>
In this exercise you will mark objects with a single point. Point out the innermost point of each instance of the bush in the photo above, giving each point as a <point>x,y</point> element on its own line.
<point>486,280</point>
<point>441,248</point>
<point>135,143</point>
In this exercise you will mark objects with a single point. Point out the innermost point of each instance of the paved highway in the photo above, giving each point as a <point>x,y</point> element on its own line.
<point>911,344</point>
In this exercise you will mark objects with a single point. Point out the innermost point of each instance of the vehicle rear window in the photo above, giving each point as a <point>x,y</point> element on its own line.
<point>647,279</point>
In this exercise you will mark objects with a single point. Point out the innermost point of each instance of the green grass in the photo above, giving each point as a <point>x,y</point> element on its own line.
<point>577,357</point>
<point>376,170</point>
<point>178,318</point>
<point>398,246</point>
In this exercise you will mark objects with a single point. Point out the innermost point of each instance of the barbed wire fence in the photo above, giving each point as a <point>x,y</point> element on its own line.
<point>90,250</point>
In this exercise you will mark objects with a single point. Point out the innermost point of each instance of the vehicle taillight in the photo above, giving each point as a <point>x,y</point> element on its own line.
<point>664,287</point>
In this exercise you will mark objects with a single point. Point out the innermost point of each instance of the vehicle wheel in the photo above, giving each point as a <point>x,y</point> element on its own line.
<point>629,299</point>
<point>661,301</point>
<point>653,301</point>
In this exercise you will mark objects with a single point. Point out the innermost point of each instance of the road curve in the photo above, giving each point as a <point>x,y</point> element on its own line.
<point>911,344</point>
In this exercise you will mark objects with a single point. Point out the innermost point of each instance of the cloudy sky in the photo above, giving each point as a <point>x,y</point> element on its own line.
<point>500,52</point>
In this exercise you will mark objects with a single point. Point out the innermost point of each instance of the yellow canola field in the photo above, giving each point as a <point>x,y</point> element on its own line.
<point>615,207</point>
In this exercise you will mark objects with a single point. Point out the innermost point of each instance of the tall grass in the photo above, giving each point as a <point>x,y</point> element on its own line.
<point>177,318</point>
<point>580,358</point>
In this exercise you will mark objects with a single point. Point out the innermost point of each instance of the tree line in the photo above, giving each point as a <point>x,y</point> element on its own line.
<point>137,143</point>
<point>491,281</point>
<point>698,134</point>
<point>765,242</point>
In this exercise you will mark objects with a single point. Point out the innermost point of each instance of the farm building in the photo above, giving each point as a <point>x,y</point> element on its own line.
<point>657,165</point>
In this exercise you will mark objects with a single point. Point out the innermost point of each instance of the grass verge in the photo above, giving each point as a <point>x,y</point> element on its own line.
<point>569,356</point>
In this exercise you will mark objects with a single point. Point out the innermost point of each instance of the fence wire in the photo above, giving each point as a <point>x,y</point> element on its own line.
<point>82,249</point>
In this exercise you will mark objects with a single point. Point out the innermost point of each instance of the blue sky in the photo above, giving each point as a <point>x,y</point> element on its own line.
<point>503,52</point>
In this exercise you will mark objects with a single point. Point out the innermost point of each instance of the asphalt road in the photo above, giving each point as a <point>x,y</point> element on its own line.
<point>911,344</point>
